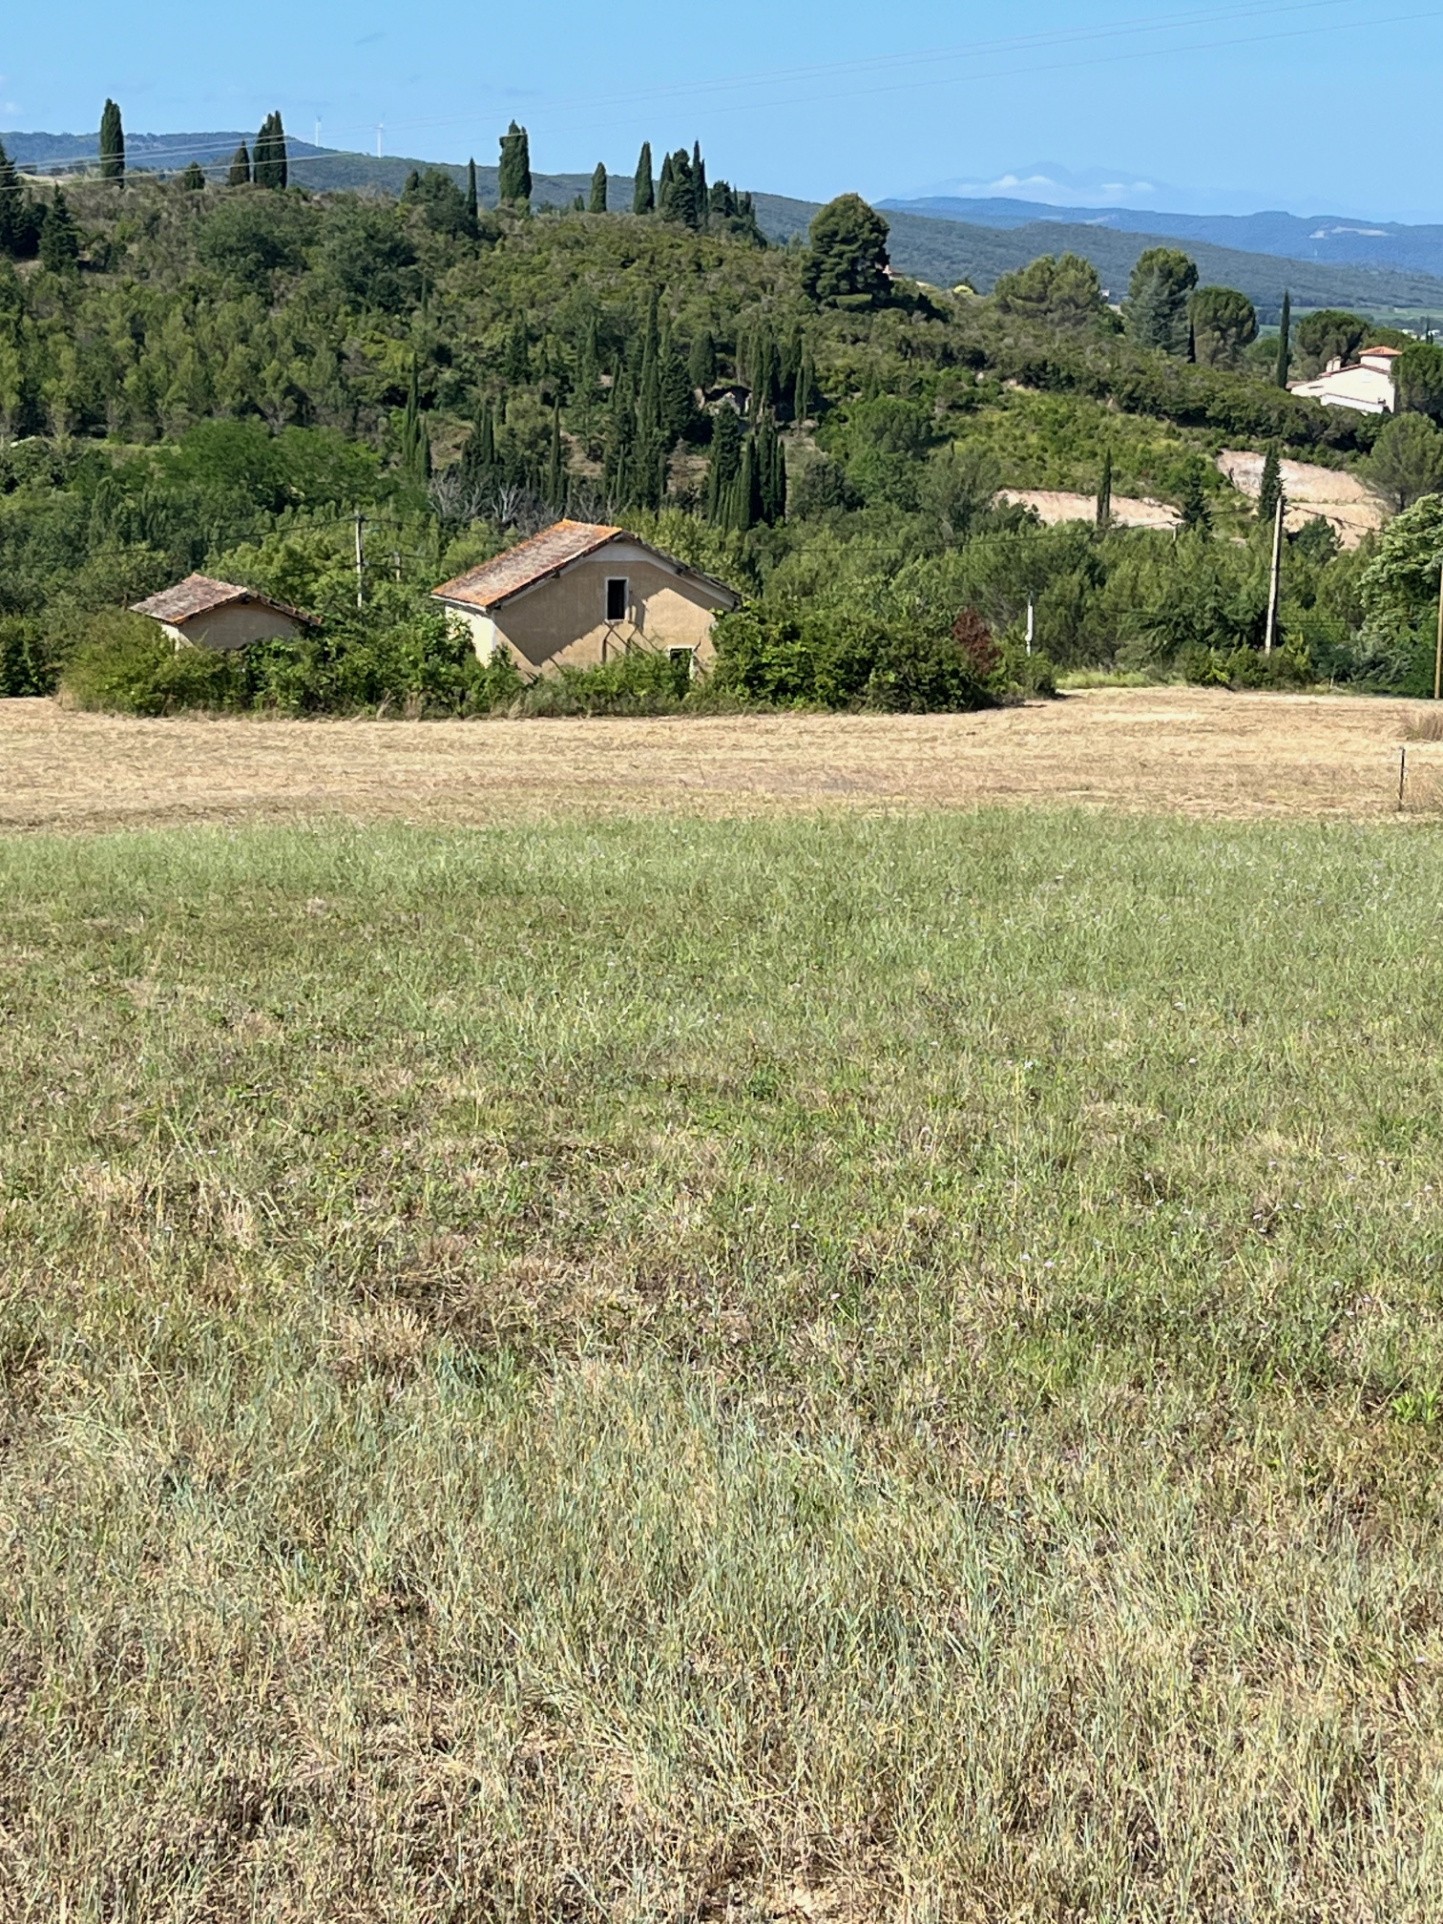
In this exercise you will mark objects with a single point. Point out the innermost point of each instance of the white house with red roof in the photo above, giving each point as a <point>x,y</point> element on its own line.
<point>1367,385</point>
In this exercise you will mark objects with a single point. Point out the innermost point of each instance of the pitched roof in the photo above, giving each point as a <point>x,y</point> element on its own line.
<point>1391,353</point>
<point>528,562</point>
<point>202,595</point>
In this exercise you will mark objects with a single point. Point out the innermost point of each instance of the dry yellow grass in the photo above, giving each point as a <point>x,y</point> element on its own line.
<point>1187,751</point>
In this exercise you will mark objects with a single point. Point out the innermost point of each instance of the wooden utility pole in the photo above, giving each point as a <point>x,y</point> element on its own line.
<point>1275,579</point>
<point>360,561</point>
<point>1438,651</point>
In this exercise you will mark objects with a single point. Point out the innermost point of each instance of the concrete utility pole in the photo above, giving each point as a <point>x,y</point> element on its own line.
<point>1275,581</point>
<point>360,561</point>
<point>1031,623</point>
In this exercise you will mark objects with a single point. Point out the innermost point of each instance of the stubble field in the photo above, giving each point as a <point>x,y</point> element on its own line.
<point>832,1363</point>
<point>1190,751</point>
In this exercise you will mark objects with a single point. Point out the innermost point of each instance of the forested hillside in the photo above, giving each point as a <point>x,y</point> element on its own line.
<point>195,374</point>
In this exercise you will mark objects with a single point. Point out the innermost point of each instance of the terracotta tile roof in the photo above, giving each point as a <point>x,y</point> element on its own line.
<point>202,595</point>
<point>528,562</point>
<point>1391,353</point>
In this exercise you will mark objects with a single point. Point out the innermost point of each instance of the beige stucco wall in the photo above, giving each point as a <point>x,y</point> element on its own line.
<point>562,622</point>
<point>235,627</point>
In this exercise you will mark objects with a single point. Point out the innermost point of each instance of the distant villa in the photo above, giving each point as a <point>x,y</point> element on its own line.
<point>1366,385</point>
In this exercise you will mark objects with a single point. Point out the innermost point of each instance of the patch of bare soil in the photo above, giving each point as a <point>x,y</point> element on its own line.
<point>1349,507</point>
<point>1199,752</point>
<point>1055,505</point>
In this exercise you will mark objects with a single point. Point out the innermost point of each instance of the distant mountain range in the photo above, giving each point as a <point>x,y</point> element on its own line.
<point>943,240</point>
<point>1331,238</point>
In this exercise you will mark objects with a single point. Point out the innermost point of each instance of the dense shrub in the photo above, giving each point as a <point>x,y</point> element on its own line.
<point>418,665</point>
<point>637,683</point>
<point>846,658</point>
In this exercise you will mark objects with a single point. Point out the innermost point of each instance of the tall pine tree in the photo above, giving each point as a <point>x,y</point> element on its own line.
<point>112,145</point>
<point>240,167</point>
<point>598,189</point>
<point>643,200</point>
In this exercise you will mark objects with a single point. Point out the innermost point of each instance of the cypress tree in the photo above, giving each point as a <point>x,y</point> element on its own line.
<point>598,189</point>
<point>240,167</point>
<point>744,509</point>
<point>193,179</point>
<point>1285,342</point>
<point>677,195</point>
<point>478,457</point>
<point>701,204</point>
<point>415,442</point>
<point>768,502</point>
<point>1271,486</point>
<point>701,362</point>
<point>643,199</point>
<point>59,242</point>
<point>620,466</point>
<point>677,405</point>
<point>112,145</point>
<point>1104,494</point>
<point>516,364</point>
<point>473,203</point>
<point>556,466</point>
<point>726,459</point>
<point>1197,514</point>
<point>515,176</point>
<point>578,204</point>
<point>588,369</point>
<point>12,204</point>
<point>270,166</point>
<point>804,406</point>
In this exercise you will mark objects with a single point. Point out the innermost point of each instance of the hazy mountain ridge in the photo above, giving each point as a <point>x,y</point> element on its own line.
<point>1330,239</point>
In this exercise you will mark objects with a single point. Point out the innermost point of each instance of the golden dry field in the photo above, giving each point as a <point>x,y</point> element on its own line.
<point>1196,752</point>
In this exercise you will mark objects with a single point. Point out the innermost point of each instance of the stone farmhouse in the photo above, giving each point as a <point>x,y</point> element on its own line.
<point>577,595</point>
<point>216,614</point>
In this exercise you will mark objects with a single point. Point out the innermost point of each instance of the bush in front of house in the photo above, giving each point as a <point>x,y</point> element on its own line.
<point>126,665</point>
<point>392,659</point>
<point>638,683</point>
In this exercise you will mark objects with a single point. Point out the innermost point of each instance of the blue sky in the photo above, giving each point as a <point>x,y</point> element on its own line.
<point>1313,105</point>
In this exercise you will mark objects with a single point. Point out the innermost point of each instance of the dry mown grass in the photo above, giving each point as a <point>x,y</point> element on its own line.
<point>1189,751</point>
<point>854,1369</point>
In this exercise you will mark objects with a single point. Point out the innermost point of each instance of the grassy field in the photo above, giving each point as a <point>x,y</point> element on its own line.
<point>850,1369</point>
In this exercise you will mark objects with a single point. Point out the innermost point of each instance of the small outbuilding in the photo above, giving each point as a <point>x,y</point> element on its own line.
<point>205,613</point>
<point>580,594</point>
